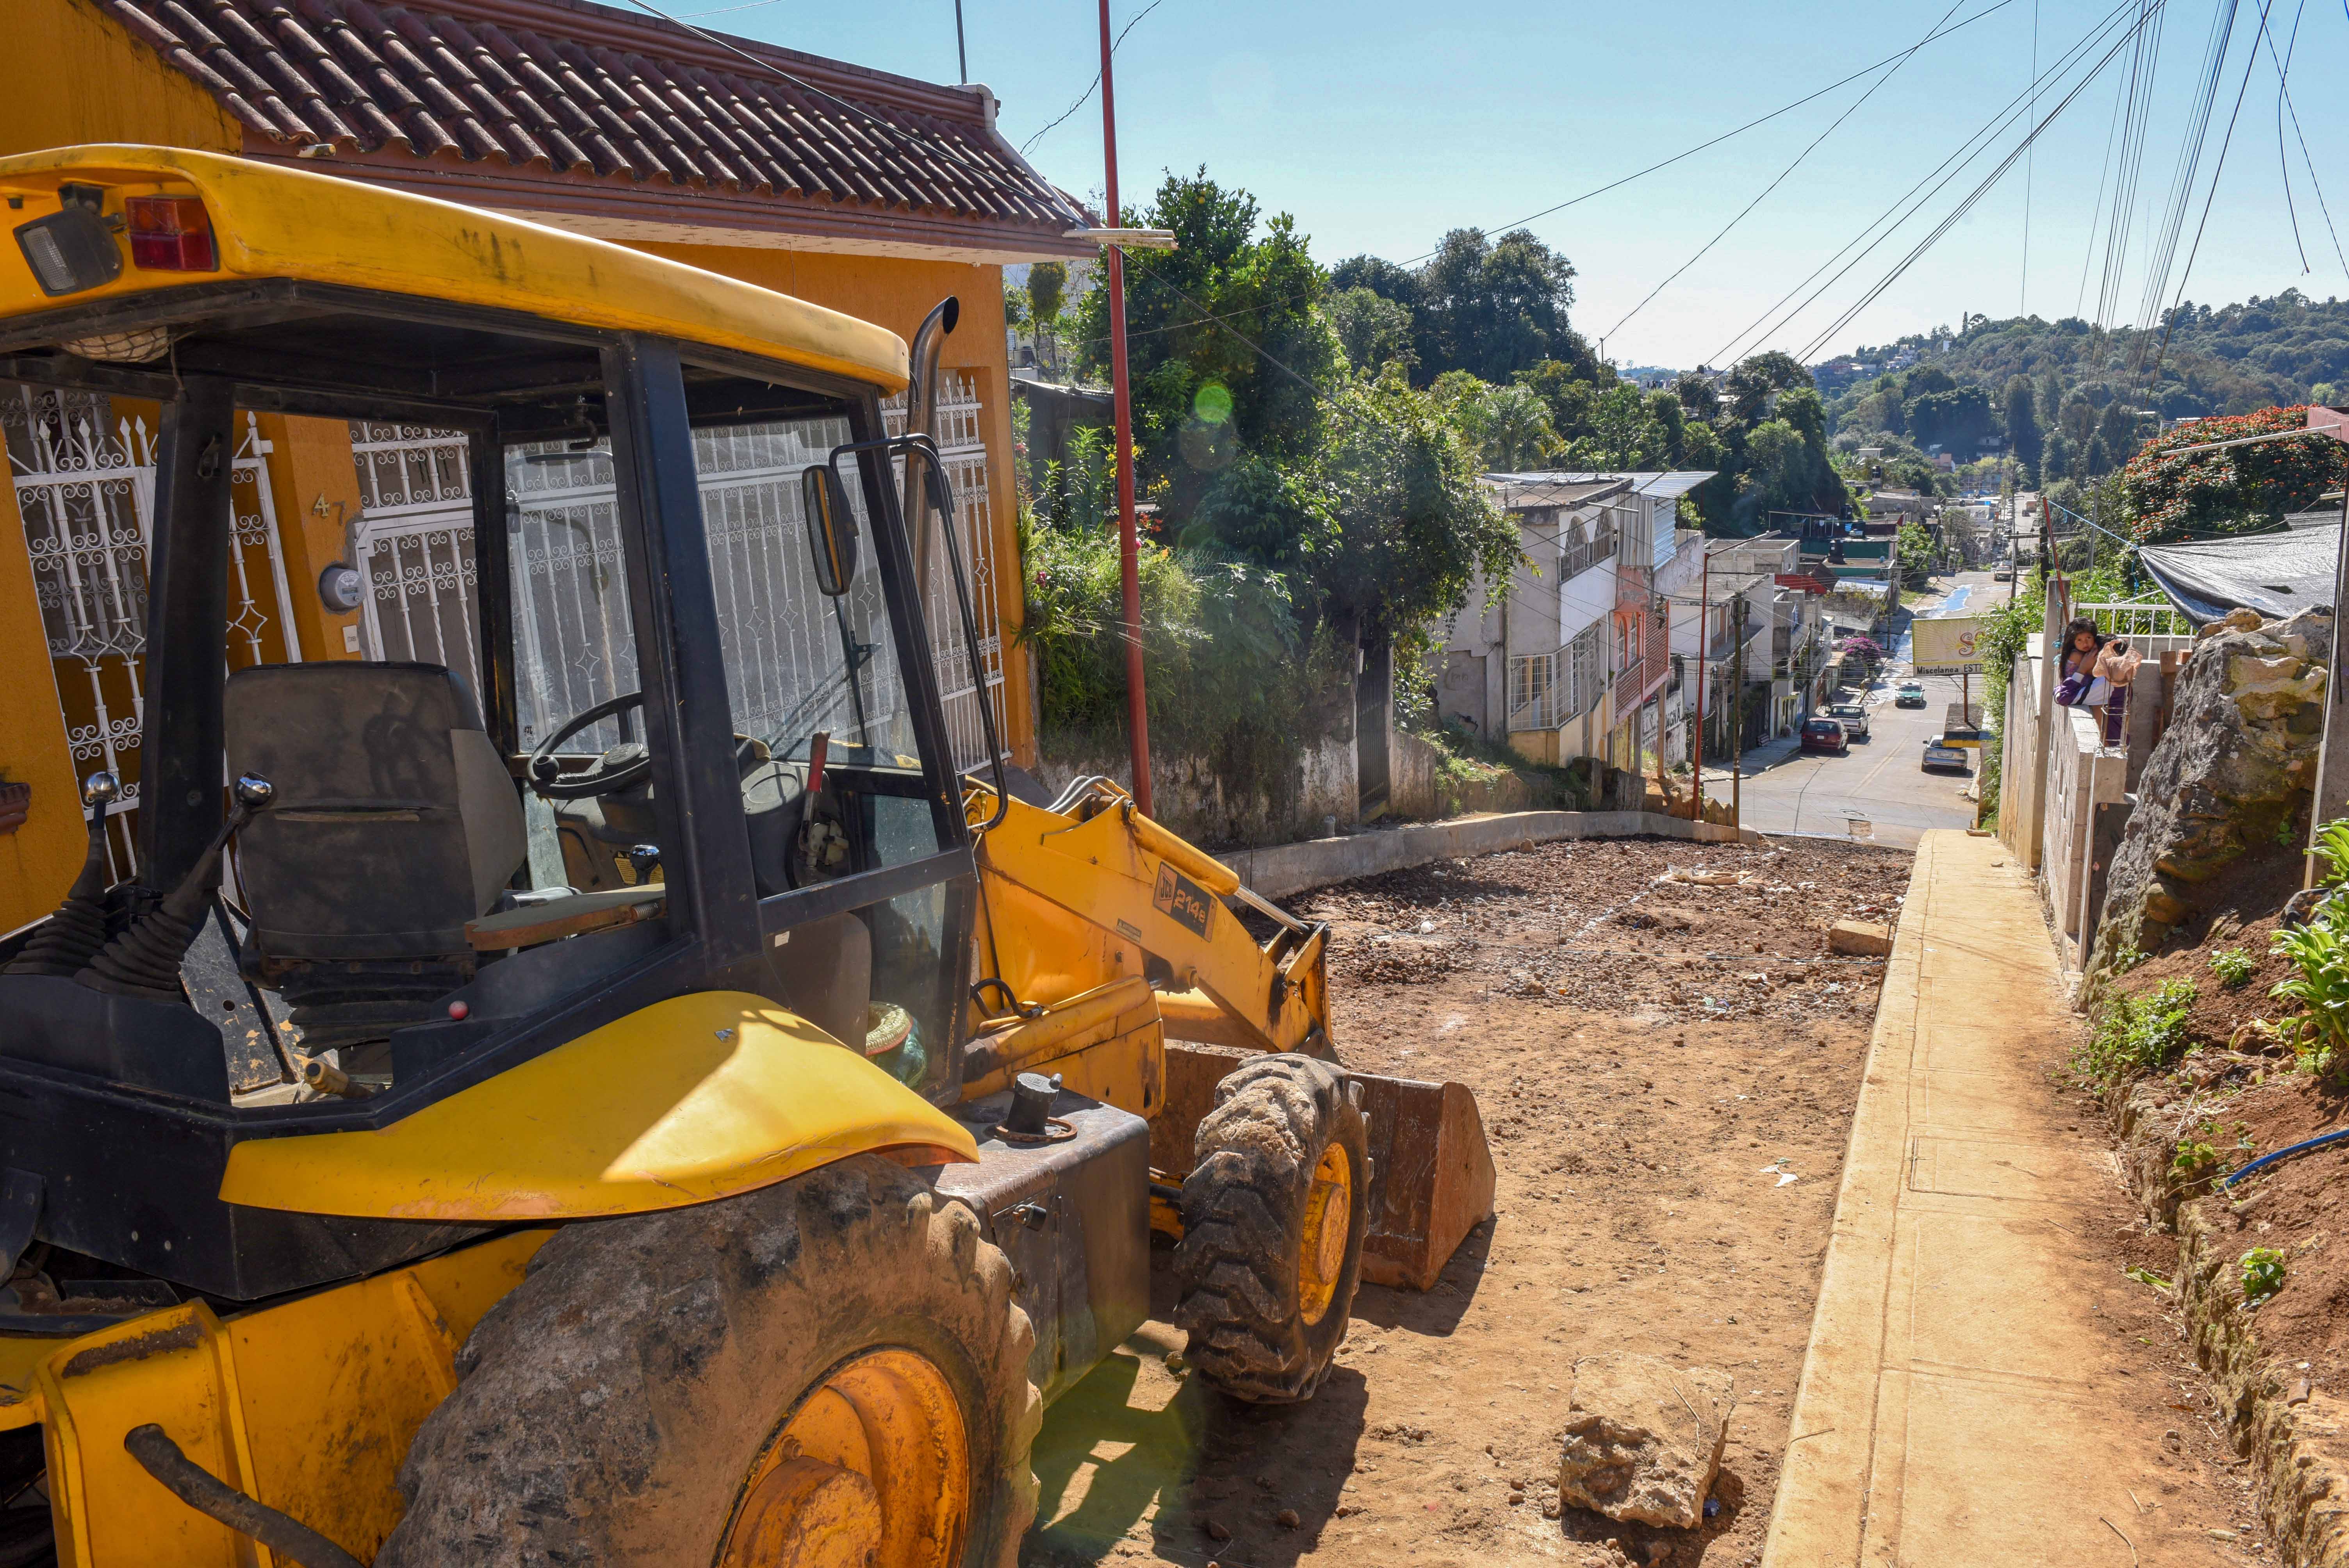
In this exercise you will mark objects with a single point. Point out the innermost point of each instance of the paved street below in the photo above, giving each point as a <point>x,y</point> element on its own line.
<point>1881,781</point>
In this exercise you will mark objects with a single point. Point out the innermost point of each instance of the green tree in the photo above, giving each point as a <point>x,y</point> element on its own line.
<point>1913,549</point>
<point>1048,284</point>
<point>1413,523</point>
<point>1495,307</point>
<point>2023,422</point>
<point>1622,434</point>
<point>1664,411</point>
<point>1756,380</point>
<point>1506,429</point>
<point>1699,399</point>
<point>1015,308</point>
<point>1375,330</point>
<point>1197,317</point>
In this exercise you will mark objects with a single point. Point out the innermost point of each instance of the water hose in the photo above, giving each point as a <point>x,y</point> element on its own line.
<point>2324,1141</point>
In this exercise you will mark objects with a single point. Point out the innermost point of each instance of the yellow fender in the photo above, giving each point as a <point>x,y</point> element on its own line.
<point>696,1097</point>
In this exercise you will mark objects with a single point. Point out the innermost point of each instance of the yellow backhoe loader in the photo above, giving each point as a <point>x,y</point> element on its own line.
<point>707,1124</point>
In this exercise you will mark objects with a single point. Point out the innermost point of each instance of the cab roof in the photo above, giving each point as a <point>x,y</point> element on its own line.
<point>274,224</point>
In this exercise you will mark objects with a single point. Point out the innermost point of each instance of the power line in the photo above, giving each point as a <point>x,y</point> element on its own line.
<point>1086,97</point>
<point>1833,125</point>
<point>2022,286</point>
<point>2170,322</point>
<point>1892,217</point>
<point>942,146</point>
<point>1963,207</point>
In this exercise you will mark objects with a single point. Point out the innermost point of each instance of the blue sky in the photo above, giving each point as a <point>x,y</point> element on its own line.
<point>1380,126</point>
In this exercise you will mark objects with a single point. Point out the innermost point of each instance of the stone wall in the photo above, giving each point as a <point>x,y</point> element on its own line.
<point>2237,762</point>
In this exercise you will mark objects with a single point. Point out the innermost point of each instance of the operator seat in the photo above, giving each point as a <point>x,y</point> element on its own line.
<point>395,822</point>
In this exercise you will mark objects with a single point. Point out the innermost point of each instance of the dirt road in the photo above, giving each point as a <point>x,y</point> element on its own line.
<point>1667,1072</point>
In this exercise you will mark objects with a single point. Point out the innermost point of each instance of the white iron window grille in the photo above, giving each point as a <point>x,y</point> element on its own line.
<point>85,486</point>
<point>415,543</point>
<point>962,443</point>
<point>1533,692</point>
<point>416,535</point>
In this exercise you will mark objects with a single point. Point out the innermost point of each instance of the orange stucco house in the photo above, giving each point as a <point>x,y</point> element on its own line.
<point>869,193</point>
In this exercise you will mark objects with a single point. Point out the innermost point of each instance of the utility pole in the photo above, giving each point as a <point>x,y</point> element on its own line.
<point>1737,728</point>
<point>1704,635</point>
<point>1137,707</point>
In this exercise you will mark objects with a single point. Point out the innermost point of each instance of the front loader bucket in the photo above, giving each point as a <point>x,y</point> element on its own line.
<point>1430,1173</point>
<point>1430,1177</point>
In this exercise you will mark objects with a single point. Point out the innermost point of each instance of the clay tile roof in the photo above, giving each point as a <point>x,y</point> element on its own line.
<point>583,113</point>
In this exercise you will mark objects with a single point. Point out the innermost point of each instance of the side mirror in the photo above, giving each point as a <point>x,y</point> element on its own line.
<point>832,528</point>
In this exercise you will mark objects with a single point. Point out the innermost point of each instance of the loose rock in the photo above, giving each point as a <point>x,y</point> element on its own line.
<point>1644,1440</point>
<point>1859,937</point>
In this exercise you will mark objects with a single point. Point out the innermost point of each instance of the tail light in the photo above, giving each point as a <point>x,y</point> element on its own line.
<point>170,234</point>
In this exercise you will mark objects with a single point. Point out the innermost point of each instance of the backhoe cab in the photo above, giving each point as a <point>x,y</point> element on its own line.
<point>771,1113</point>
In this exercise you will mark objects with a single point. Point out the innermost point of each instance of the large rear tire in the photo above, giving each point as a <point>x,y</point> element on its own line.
<point>1274,1212</point>
<point>753,1381</point>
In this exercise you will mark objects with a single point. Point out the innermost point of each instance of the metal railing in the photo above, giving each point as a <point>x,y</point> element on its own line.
<point>2150,617</point>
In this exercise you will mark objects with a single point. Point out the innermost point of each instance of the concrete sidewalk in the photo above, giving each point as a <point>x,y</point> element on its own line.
<point>1953,1408</point>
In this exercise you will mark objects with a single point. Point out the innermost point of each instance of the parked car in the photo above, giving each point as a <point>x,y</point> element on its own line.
<point>1940,754</point>
<point>1910,695</point>
<point>1823,734</point>
<point>1852,717</point>
<point>2001,576</point>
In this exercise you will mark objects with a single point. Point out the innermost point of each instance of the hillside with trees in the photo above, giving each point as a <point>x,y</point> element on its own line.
<point>2076,402</point>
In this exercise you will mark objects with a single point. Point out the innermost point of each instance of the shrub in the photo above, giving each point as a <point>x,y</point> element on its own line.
<point>2320,955</point>
<point>2330,844</point>
<point>2137,1035</point>
<point>2262,1274</point>
<point>2234,966</point>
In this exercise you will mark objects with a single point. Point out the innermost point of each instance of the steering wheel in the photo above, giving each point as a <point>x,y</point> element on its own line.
<point>623,766</point>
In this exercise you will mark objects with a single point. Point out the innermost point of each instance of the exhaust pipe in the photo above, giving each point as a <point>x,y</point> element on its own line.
<point>921,419</point>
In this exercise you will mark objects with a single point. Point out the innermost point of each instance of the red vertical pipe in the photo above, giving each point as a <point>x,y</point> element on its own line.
<point>1704,635</point>
<point>1137,708</point>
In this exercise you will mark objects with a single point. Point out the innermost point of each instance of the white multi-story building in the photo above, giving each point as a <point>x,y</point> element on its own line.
<point>1572,661</point>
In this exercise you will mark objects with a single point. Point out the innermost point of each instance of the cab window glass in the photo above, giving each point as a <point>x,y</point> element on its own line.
<point>832,781</point>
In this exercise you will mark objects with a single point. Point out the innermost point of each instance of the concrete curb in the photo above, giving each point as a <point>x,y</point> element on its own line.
<point>1281,870</point>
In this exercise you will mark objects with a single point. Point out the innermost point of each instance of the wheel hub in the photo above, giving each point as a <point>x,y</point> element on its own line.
<point>871,1470</point>
<point>1328,1210</point>
<point>809,1514</point>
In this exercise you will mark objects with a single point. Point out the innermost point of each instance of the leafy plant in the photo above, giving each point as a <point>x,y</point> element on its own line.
<point>2262,1274</point>
<point>2128,956</point>
<point>2144,1275</point>
<point>2234,966</point>
<point>2193,1160</point>
<point>2284,834</point>
<point>2320,954</point>
<point>2330,844</point>
<point>2137,1035</point>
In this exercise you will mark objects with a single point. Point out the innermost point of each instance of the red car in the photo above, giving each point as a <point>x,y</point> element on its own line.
<point>1825,735</point>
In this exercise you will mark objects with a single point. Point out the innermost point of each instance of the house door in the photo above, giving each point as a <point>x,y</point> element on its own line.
<point>84,470</point>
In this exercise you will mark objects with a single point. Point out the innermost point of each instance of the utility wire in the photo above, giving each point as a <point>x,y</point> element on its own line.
<point>2189,163</point>
<point>1086,97</point>
<point>2104,173</point>
<point>1763,195</point>
<point>1966,205</point>
<point>1892,217</point>
<point>2023,287</point>
<point>2218,170</point>
<point>2284,104</point>
<point>942,146</point>
<point>1690,152</point>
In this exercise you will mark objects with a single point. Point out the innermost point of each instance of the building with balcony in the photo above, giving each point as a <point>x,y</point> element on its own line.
<point>1573,659</point>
